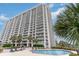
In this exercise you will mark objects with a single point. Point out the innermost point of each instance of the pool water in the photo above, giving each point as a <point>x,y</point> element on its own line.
<point>52,52</point>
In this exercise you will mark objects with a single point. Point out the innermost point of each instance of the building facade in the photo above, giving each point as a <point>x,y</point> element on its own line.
<point>36,22</point>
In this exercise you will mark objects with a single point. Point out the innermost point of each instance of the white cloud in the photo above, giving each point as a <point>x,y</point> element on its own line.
<point>58,11</point>
<point>54,14</point>
<point>3,18</point>
<point>51,5</point>
<point>62,4</point>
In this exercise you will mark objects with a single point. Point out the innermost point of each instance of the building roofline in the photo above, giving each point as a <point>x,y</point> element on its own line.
<point>26,10</point>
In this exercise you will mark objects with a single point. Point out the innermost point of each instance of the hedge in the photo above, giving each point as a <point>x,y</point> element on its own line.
<point>72,54</point>
<point>38,45</point>
<point>67,48</point>
<point>7,45</point>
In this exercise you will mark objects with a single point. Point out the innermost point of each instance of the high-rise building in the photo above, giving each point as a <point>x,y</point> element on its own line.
<point>36,22</point>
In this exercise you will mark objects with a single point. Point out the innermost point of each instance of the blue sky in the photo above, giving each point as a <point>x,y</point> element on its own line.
<point>9,10</point>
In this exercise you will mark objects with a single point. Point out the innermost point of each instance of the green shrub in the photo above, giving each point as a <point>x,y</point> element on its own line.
<point>1,50</point>
<point>38,45</point>
<point>7,45</point>
<point>67,48</point>
<point>72,54</point>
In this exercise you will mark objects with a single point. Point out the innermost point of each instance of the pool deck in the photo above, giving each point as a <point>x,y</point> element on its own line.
<point>26,52</point>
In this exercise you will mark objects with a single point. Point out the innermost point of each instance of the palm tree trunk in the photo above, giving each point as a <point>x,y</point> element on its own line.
<point>15,46</point>
<point>11,50</point>
<point>21,45</point>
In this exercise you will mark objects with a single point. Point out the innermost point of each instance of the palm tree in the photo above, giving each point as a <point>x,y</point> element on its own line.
<point>64,44</point>
<point>14,40</point>
<point>67,25</point>
<point>35,41</point>
<point>30,38</point>
<point>19,39</point>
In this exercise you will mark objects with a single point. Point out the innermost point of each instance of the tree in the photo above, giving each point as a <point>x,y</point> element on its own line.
<point>36,44</point>
<point>19,39</point>
<point>35,40</point>
<point>64,44</point>
<point>14,41</point>
<point>30,38</point>
<point>67,25</point>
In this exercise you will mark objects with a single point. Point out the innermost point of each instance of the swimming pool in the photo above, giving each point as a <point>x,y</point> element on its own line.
<point>52,52</point>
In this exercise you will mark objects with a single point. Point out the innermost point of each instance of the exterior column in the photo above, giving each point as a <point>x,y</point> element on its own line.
<point>44,27</point>
<point>27,43</point>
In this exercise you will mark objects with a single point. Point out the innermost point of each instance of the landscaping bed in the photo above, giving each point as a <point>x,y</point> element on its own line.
<point>7,46</point>
<point>1,50</point>
<point>72,54</point>
<point>66,48</point>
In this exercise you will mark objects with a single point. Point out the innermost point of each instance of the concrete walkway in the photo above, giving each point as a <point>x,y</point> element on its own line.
<point>26,52</point>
